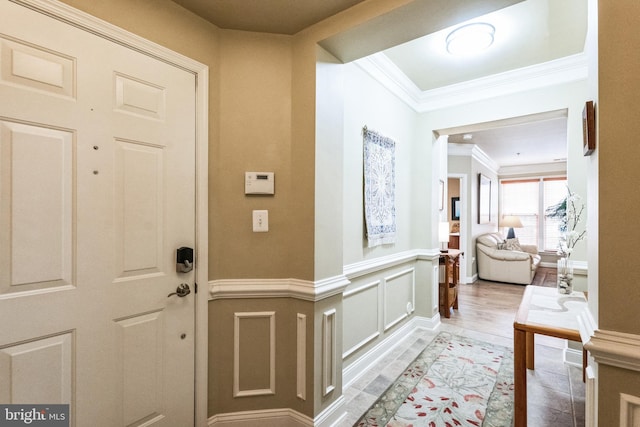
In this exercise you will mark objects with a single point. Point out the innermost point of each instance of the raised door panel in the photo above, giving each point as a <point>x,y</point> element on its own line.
<point>38,372</point>
<point>36,206</point>
<point>36,68</point>
<point>141,363</point>
<point>139,214</point>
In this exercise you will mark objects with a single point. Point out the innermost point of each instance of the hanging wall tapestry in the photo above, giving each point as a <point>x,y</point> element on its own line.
<point>379,188</point>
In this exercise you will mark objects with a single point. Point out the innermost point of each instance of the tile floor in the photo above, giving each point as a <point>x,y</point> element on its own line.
<point>555,389</point>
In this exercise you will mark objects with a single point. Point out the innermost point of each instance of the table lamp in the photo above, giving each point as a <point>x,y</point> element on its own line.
<point>443,236</point>
<point>511,221</point>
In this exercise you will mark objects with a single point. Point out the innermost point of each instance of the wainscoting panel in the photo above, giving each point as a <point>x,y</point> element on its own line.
<point>329,361</point>
<point>301,356</point>
<point>629,410</point>
<point>399,297</point>
<point>384,295</point>
<point>361,313</point>
<point>254,351</point>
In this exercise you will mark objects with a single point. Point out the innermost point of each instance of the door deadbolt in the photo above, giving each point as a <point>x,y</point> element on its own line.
<point>184,260</point>
<point>182,291</point>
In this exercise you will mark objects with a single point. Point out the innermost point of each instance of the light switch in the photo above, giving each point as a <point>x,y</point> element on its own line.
<point>260,221</point>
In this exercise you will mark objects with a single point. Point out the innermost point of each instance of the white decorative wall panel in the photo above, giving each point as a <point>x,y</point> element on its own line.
<point>361,318</point>
<point>301,356</point>
<point>36,207</point>
<point>328,351</point>
<point>141,350</point>
<point>629,410</point>
<point>139,211</point>
<point>34,68</point>
<point>38,371</point>
<point>254,354</point>
<point>399,289</point>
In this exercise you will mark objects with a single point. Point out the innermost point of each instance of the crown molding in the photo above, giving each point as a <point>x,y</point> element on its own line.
<point>385,72</point>
<point>559,71</point>
<point>559,168</point>
<point>472,150</point>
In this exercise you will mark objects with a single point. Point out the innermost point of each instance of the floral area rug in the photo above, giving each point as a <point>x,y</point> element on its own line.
<point>455,381</point>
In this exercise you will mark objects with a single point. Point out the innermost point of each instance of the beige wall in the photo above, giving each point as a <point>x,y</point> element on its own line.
<point>618,128</point>
<point>618,152</point>
<point>254,135</point>
<point>254,354</point>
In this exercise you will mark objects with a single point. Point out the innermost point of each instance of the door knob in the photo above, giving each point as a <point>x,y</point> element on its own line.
<point>182,290</point>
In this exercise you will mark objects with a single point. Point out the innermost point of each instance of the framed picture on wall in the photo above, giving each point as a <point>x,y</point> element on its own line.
<point>484,199</point>
<point>588,128</point>
<point>455,209</point>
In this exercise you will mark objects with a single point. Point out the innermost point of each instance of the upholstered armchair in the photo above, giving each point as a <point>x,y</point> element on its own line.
<point>507,261</point>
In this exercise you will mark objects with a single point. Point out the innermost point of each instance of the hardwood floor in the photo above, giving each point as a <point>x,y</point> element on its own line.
<point>486,311</point>
<point>487,307</point>
<point>490,307</point>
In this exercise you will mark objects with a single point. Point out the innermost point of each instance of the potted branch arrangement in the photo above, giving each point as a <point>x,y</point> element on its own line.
<point>569,211</point>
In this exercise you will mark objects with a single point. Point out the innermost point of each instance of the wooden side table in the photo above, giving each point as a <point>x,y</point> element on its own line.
<point>448,289</point>
<point>454,241</point>
<point>542,311</point>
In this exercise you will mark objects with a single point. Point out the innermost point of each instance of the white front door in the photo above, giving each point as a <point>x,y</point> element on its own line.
<point>97,176</point>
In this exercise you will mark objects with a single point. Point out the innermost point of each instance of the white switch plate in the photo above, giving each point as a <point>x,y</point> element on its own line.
<point>260,221</point>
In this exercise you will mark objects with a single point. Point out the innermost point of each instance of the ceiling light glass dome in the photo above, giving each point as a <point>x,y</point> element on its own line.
<point>470,39</point>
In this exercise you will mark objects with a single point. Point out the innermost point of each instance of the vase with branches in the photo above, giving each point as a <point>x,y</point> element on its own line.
<point>569,211</point>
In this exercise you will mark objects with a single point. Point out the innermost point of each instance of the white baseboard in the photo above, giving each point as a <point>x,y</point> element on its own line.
<point>352,372</point>
<point>285,417</point>
<point>266,418</point>
<point>333,415</point>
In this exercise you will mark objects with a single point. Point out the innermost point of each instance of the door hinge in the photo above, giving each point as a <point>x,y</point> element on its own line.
<point>195,285</point>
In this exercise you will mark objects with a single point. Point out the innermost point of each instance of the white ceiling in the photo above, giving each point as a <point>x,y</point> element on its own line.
<point>536,139</point>
<point>528,33</point>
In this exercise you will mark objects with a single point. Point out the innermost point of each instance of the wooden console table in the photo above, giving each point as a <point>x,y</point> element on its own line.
<point>448,289</point>
<point>542,311</point>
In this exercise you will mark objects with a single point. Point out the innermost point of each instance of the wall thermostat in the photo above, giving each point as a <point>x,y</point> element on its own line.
<point>258,183</point>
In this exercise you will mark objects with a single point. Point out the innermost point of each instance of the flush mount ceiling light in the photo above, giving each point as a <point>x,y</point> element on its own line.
<point>470,38</point>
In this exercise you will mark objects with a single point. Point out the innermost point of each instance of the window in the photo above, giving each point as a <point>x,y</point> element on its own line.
<point>528,199</point>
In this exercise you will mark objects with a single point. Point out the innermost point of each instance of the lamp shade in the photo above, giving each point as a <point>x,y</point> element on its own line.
<point>443,232</point>
<point>511,221</point>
